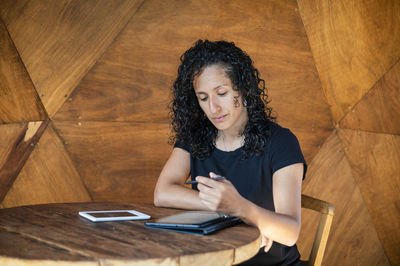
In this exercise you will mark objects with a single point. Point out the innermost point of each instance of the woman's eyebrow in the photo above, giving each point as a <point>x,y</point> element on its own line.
<point>222,85</point>
<point>219,86</point>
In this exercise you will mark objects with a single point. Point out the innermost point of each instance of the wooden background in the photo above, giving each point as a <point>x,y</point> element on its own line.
<point>84,90</point>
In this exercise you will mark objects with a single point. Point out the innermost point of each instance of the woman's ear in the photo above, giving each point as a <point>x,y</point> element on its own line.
<point>236,101</point>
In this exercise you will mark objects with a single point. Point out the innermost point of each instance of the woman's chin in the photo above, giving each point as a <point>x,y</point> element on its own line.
<point>220,126</point>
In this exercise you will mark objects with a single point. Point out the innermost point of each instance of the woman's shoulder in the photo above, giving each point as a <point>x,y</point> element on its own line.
<point>280,136</point>
<point>276,130</point>
<point>183,144</point>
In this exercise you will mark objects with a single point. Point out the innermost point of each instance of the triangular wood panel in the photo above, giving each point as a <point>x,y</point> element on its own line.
<point>330,178</point>
<point>132,80</point>
<point>17,142</point>
<point>379,110</point>
<point>354,43</point>
<point>116,92</point>
<point>311,142</point>
<point>375,161</point>
<point>63,40</point>
<point>117,161</point>
<point>19,101</point>
<point>9,133</point>
<point>55,177</point>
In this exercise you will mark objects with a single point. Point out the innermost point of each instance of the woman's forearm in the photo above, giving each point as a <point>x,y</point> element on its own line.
<point>280,228</point>
<point>177,196</point>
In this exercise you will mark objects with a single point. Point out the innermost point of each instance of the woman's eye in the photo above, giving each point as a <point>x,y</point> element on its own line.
<point>203,99</point>
<point>222,93</point>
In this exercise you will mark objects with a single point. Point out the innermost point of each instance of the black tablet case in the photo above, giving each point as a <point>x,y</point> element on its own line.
<point>204,227</point>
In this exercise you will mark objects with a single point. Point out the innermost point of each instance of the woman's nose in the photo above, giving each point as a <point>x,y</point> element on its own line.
<point>214,106</point>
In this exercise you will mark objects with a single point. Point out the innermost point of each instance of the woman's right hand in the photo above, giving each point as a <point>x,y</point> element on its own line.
<point>219,196</point>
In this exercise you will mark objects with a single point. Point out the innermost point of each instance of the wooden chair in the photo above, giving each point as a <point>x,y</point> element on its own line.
<point>321,237</point>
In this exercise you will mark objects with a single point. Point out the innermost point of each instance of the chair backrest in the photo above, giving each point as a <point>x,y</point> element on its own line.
<point>321,237</point>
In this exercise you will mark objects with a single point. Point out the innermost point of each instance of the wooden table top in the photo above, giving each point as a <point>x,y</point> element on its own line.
<point>42,234</point>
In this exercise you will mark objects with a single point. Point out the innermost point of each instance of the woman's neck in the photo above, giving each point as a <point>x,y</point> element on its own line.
<point>230,143</point>
<point>232,139</point>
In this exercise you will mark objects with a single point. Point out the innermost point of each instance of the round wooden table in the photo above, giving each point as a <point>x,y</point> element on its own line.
<point>55,233</point>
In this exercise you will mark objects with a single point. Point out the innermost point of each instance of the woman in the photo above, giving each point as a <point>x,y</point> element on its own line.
<point>222,127</point>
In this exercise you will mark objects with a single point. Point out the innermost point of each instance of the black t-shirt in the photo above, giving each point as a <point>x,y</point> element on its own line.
<point>252,177</point>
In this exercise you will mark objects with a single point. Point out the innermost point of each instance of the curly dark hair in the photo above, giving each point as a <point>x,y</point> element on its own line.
<point>189,124</point>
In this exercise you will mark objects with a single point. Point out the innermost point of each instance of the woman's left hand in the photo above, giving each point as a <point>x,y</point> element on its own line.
<point>219,196</point>
<point>266,243</point>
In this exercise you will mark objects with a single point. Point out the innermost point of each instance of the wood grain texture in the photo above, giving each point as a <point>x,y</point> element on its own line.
<point>375,161</point>
<point>132,80</point>
<point>63,39</point>
<point>48,176</point>
<point>354,43</point>
<point>353,239</point>
<point>379,110</point>
<point>245,252</point>
<point>117,161</point>
<point>311,140</point>
<point>119,93</point>
<point>19,101</point>
<point>15,153</point>
<point>14,243</point>
<point>9,133</point>
<point>58,225</point>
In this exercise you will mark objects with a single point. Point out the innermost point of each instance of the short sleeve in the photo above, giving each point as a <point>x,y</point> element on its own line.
<point>182,144</point>
<point>285,150</point>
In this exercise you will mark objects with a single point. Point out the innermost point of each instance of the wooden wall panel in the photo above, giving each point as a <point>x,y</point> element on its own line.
<point>379,110</point>
<point>354,43</point>
<point>117,161</point>
<point>63,39</point>
<point>311,142</point>
<point>116,92</point>
<point>353,239</point>
<point>131,82</point>
<point>9,133</point>
<point>19,101</point>
<point>114,125</point>
<point>375,161</point>
<point>48,176</point>
<point>16,144</point>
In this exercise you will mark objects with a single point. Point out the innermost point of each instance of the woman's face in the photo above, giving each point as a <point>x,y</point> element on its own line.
<point>221,104</point>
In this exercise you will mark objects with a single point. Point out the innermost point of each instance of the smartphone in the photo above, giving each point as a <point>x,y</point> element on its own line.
<point>114,215</point>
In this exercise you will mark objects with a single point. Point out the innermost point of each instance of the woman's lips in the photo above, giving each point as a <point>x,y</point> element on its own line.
<point>219,118</point>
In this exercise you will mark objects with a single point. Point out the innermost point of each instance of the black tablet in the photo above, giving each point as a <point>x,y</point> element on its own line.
<point>196,222</point>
